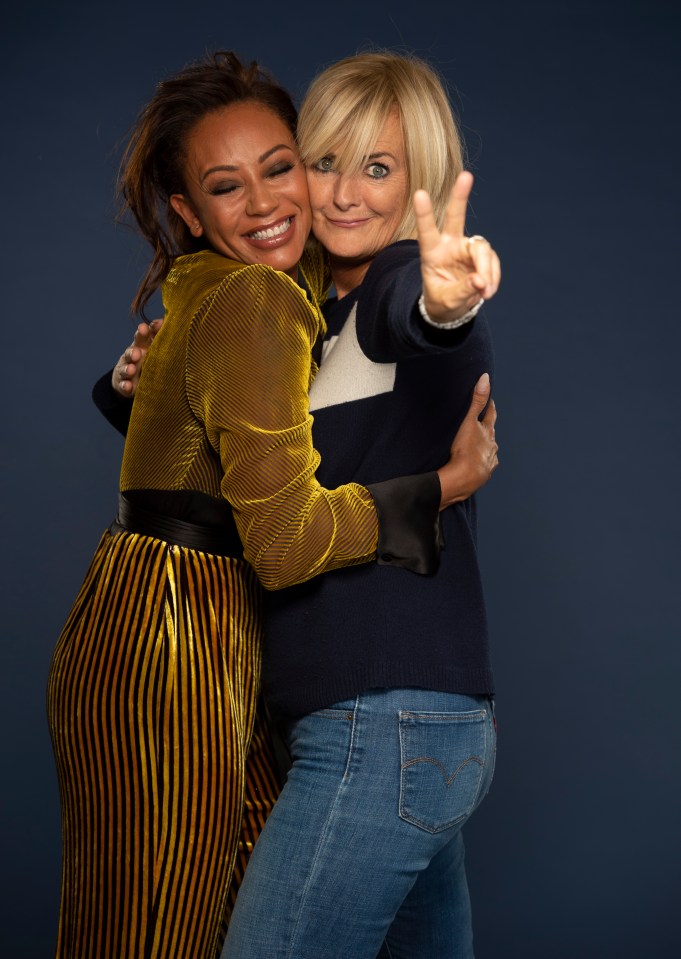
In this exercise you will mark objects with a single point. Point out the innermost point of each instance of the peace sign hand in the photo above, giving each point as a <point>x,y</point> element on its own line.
<point>457,270</point>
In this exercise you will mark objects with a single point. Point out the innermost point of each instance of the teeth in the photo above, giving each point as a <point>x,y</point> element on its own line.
<point>274,231</point>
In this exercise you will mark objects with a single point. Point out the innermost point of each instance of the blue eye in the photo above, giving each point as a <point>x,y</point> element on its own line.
<point>377,171</point>
<point>325,165</point>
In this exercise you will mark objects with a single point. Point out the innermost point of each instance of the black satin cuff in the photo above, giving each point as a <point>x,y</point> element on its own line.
<point>114,407</point>
<point>409,534</point>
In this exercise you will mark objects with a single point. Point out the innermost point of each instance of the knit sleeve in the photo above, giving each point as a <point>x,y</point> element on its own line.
<point>248,375</point>
<point>390,326</point>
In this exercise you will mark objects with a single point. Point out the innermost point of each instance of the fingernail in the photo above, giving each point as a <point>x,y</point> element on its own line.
<point>483,382</point>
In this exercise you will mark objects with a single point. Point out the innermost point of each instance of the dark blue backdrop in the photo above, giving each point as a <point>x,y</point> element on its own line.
<point>571,115</point>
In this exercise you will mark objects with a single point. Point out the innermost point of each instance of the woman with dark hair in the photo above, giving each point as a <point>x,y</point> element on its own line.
<point>153,687</point>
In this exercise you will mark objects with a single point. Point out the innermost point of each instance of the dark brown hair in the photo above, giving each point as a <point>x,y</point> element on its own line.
<point>152,169</point>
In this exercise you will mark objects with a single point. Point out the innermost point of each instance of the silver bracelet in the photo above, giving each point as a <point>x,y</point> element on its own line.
<point>466,318</point>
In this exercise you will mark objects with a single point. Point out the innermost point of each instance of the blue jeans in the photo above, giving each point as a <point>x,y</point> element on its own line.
<point>363,850</point>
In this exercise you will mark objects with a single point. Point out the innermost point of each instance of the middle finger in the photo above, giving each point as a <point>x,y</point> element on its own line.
<point>455,216</point>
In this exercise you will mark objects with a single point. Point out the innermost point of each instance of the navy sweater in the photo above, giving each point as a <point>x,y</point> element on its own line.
<point>389,396</point>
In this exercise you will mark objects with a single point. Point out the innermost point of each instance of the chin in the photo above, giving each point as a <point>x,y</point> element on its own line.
<point>283,264</point>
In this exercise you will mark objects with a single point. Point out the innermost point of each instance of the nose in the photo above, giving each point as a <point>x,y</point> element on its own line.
<point>346,191</point>
<point>262,199</point>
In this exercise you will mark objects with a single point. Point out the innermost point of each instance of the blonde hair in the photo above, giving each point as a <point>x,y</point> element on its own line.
<point>348,103</point>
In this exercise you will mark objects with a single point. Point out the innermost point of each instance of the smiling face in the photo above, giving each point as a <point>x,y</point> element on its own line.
<point>246,189</point>
<point>355,215</point>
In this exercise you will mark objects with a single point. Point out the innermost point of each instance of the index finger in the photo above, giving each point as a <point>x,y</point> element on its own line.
<point>144,334</point>
<point>455,217</point>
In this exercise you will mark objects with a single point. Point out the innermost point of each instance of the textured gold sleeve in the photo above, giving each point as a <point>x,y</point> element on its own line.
<point>248,376</point>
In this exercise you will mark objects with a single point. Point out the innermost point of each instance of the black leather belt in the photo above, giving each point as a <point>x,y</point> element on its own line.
<point>132,518</point>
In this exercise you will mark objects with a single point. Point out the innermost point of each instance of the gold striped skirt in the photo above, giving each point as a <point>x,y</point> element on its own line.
<point>152,700</point>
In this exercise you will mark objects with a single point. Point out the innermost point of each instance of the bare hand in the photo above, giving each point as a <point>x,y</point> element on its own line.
<point>474,449</point>
<point>457,271</point>
<point>126,373</point>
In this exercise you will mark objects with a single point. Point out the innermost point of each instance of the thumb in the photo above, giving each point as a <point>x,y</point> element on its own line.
<point>480,395</point>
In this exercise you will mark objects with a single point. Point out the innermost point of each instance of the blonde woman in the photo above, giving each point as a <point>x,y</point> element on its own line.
<point>381,679</point>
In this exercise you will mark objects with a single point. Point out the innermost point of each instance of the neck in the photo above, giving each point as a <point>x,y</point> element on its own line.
<point>347,274</point>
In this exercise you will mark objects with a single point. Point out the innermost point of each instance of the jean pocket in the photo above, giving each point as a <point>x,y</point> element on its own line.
<point>443,758</point>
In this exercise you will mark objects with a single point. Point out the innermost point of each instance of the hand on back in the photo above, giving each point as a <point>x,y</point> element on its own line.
<point>474,449</point>
<point>126,372</point>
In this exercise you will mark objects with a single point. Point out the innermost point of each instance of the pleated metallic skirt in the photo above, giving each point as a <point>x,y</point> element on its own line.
<point>152,701</point>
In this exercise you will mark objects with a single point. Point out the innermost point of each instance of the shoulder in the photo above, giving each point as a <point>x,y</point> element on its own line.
<point>199,278</point>
<point>257,279</point>
<point>193,278</point>
<point>209,270</point>
<point>256,303</point>
<point>196,267</point>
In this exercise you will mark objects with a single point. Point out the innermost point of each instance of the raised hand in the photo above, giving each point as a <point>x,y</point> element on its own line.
<point>126,372</point>
<point>473,455</point>
<point>457,271</point>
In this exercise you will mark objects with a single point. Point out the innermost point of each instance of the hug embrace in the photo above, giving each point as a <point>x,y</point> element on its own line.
<point>293,559</point>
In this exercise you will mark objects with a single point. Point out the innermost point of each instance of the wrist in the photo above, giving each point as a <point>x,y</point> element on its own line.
<point>455,485</point>
<point>450,322</point>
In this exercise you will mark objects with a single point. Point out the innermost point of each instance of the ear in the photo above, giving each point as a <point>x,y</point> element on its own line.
<point>184,209</point>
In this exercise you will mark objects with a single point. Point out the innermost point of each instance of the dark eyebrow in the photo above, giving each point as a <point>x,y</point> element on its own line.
<point>225,168</point>
<point>219,169</point>
<point>268,153</point>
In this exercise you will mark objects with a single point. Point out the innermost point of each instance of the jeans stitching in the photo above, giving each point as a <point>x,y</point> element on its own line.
<point>436,762</point>
<point>467,716</point>
<point>471,716</point>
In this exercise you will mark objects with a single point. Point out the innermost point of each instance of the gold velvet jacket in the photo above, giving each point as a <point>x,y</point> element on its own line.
<point>222,409</point>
